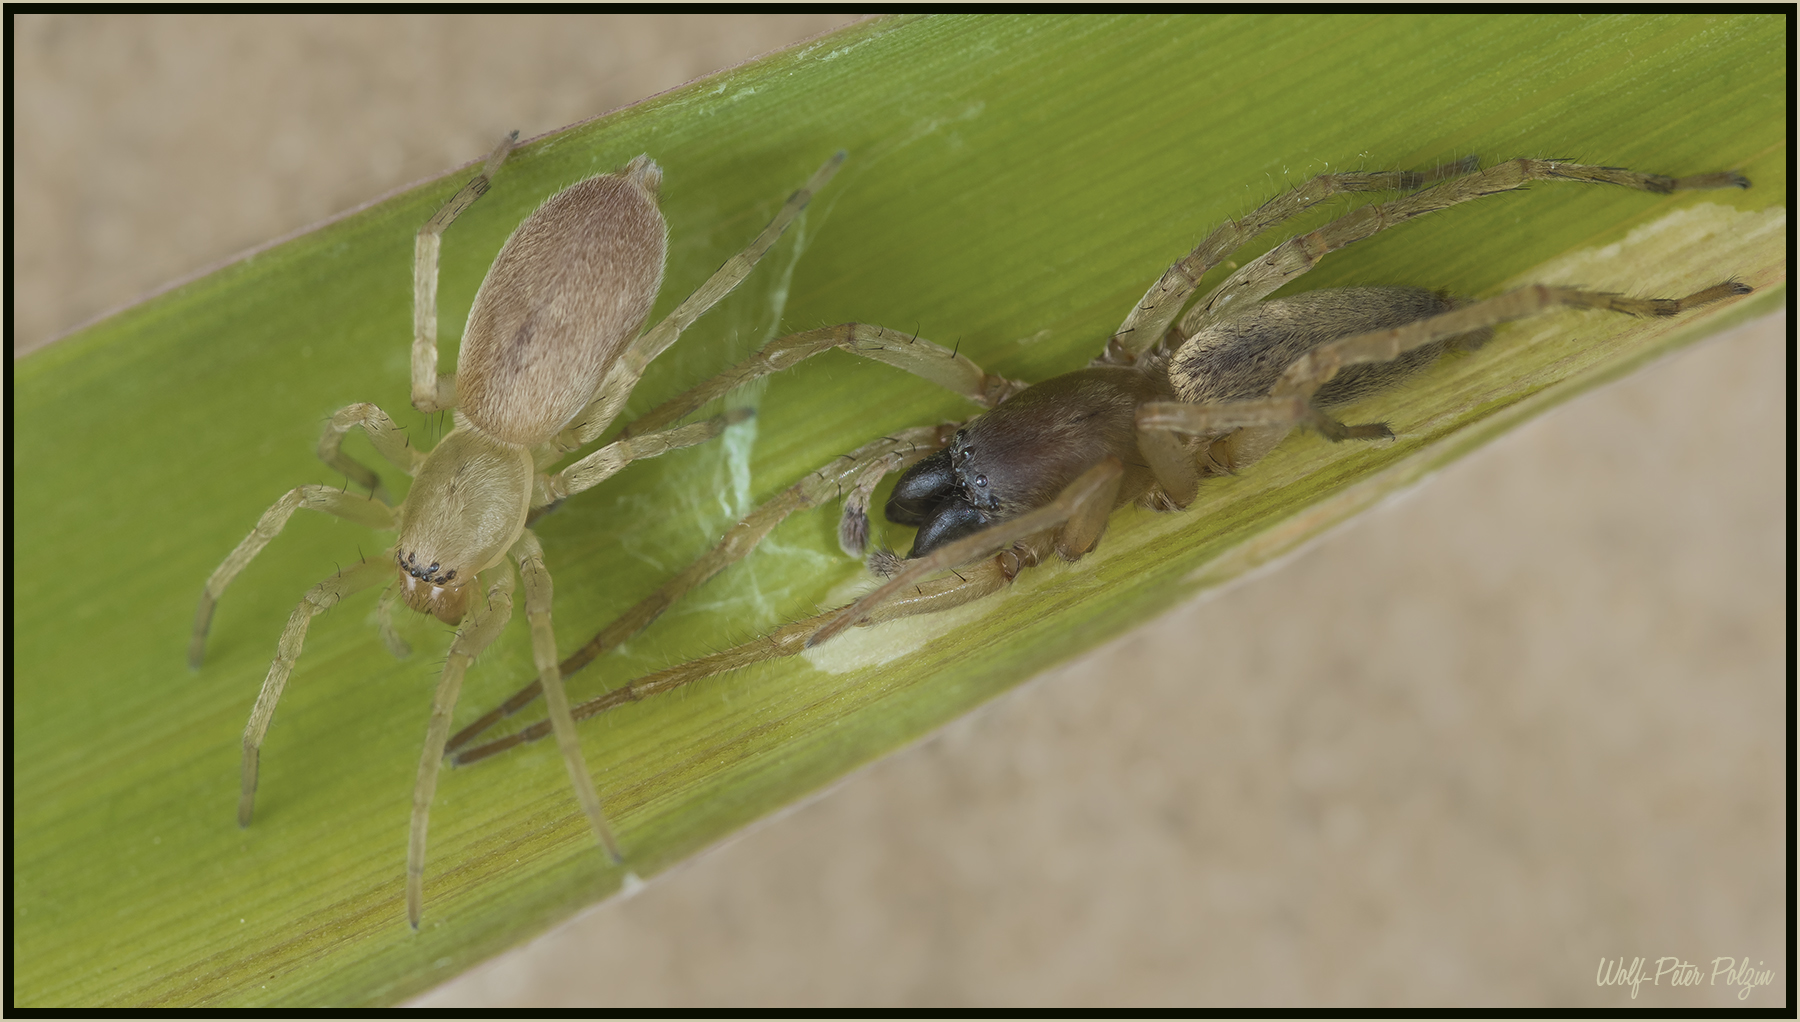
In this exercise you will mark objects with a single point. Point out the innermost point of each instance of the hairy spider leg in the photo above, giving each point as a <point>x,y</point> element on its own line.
<point>1145,324</point>
<point>476,632</point>
<point>1295,256</point>
<point>850,472</point>
<point>604,462</point>
<point>1085,501</point>
<point>430,391</point>
<point>529,556</point>
<point>782,642</point>
<point>368,511</point>
<point>389,440</point>
<point>319,598</point>
<point>940,365</point>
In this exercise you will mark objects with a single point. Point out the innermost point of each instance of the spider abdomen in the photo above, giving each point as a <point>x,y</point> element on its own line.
<point>569,290</point>
<point>1242,358</point>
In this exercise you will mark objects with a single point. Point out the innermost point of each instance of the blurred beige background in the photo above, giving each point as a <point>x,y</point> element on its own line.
<point>1525,718</point>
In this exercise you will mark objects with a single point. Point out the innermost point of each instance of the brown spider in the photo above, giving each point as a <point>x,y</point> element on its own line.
<point>1165,404</point>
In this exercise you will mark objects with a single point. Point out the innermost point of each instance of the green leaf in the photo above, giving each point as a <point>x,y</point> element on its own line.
<point>1014,185</point>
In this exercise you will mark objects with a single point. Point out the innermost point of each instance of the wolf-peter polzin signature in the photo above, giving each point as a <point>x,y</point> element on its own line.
<point>1678,972</point>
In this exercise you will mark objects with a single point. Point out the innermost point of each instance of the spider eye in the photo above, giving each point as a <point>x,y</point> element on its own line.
<point>981,481</point>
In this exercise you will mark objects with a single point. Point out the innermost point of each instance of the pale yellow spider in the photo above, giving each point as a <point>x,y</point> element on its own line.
<point>551,351</point>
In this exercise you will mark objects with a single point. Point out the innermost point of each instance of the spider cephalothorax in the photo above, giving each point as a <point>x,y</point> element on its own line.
<point>1022,453</point>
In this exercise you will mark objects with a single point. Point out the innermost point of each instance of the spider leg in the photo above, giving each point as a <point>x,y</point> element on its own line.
<point>1291,258</point>
<point>538,590</point>
<point>784,641</point>
<point>389,440</point>
<point>603,463</point>
<point>363,510</point>
<point>987,577</point>
<point>888,454</point>
<point>1145,325</point>
<point>853,524</point>
<point>319,598</point>
<point>1171,461</point>
<point>478,630</point>
<point>922,358</point>
<point>431,392</point>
